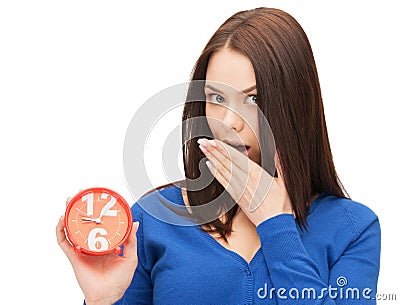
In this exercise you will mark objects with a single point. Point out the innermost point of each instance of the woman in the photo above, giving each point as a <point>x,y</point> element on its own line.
<point>290,236</point>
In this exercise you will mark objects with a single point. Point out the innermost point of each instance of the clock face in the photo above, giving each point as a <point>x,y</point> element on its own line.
<point>98,221</point>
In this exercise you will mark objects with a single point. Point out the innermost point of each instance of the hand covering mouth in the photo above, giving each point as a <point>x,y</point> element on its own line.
<point>238,146</point>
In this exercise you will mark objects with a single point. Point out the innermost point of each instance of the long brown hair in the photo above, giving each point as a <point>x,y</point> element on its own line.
<point>289,95</point>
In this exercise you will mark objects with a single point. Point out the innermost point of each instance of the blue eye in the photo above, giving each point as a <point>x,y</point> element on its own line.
<point>252,99</point>
<point>216,98</point>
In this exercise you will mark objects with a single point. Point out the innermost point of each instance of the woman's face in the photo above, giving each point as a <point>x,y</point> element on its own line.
<point>231,93</point>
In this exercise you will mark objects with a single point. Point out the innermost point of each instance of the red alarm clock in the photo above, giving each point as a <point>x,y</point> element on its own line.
<point>98,221</point>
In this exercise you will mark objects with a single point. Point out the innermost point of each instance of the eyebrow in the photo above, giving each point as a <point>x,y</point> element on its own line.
<point>249,89</point>
<point>245,91</point>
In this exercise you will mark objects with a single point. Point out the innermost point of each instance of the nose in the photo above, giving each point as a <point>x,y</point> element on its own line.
<point>233,120</point>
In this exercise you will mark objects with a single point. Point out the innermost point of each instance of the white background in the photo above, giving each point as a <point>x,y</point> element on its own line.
<point>72,74</point>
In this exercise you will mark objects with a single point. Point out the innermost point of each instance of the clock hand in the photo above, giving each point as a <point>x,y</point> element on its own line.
<point>89,219</point>
<point>104,210</point>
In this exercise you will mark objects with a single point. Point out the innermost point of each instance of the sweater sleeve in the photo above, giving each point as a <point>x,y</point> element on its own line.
<point>140,291</point>
<point>296,278</point>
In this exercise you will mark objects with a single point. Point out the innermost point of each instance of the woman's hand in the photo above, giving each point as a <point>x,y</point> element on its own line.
<point>257,193</point>
<point>103,279</point>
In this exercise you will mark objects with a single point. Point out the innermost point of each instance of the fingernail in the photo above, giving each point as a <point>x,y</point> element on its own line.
<point>212,142</point>
<point>203,148</point>
<point>202,141</point>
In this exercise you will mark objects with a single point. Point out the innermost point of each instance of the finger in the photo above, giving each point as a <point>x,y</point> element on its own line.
<point>219,164</point>
<point>251,186</point>
<point>259,178</point>
<point>221,168</point>
<point>227,167</point>
<point>217,173</point>
<point>242,161</point>
<point>230,170</point>
<point>62,239</point>
<point>67,201</point>
<point>130,247</point>
<point>225,152</point>
<point>239,191</point>
<point>229,174</point>
<point>69,198</point>
<point>228,181</point>
<point>219,160</point>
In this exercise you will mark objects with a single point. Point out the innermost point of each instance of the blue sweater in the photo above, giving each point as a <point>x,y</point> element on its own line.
<point>334,261</point>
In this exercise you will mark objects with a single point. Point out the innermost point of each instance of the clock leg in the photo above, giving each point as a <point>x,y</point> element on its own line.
<point>118,250</point>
